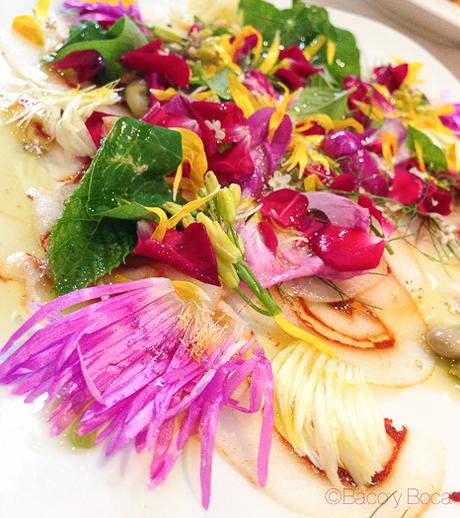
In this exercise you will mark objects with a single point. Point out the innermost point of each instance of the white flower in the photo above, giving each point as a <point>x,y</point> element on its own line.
<point>216,127</point>
<point>62,113</point>
<point>279,181</point>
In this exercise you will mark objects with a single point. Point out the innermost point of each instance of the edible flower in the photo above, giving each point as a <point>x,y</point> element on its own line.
<point>392,77</point>
<point>62,114</point>
<point>168,69</point>
<point>221,127</point>
<point>84,65</point>
<point>29,27</point>
<point>294,68</point>
<point>189,251</point>
<point>330,228</point>
<point>105,12</point>
<point>140,366</point>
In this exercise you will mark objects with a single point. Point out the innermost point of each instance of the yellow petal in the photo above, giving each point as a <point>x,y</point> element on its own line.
<point>190,207</point>
<point>301,334</point>
<point>370,111</point>
<point>242,97</point>
<point>193,153</point>
<point>42,9</point>
<point>163,95</point>
<point>272,56</point>
<point>349,123</point>
<point>419,154</point>
<point>389,148</point>
<point>312,183</point>
<point>314,46</point>
<point>278,115</point>
<point>29,28</point>
<point>451,156</point>
<point>330,52</point>
<point>160,231</point>
<point>189,292</point>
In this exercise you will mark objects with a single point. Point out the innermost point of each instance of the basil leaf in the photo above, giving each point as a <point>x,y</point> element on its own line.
<point>124,36</point>
<point>322,100</point>
<point>347,56</point>
<point>125,176</point>
<point>127,173</point>
<point>84,248</point>
<point>300,25</point>
<point>86,30</point>
<point>433,156</point>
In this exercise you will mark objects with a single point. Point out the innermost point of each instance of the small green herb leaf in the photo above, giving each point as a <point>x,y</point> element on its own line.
<point>433,156</point>
<point>127,174</point>
<point>322,100</point>
<point>300,25</point>
<point>124,36</point>
<point>84,248</point>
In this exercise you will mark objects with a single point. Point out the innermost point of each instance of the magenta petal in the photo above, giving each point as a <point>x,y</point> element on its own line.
<point>86,64</point>
<point>286,207</point>
<point>171,69</point>
<point>390,76</point>
<point>348,250</point>
<point>190,251</point>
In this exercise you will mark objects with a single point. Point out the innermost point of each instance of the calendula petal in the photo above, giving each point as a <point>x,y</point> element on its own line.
<point>29,28</point>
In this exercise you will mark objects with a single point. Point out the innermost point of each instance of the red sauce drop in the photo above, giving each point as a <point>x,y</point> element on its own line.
<point>398,437</point>
<point>455,496</point>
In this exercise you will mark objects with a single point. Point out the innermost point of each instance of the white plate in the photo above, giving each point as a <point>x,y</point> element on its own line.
<point>42,477</point>
<point>439,19</point>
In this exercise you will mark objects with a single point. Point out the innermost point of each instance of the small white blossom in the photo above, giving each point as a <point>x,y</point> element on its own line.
<point>216,126</point>
<point>279,181</point>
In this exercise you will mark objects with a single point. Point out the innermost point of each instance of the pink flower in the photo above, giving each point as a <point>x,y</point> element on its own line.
<point>346,249</point>
<point>189,251</point>
<point>222,128</point>
<point>80,66</point>
<point>169,69</point>
<point>390,76</point>
<point>249,43</point>
<point>132,368</point>
<point>102,12</point>
<point>257,82</point>
<point>452,121</point>
<point>436,200</point>
<point>298,68</point>
<point>329,236</point>
<point>266,154</point>
<point>407,188</point>
<point>366,93</point>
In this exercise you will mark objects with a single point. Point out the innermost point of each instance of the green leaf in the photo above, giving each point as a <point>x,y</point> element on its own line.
<point>300,25</point>
<point>84,248</point>
<point>433,156</point>
<point>219,84</point>
<point>347,56</point>
<point>86,30</point>
<point>127,174</point>
<point>124,36</point>
<point>322,100</point>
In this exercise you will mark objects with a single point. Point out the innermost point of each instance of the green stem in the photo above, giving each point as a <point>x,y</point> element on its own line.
<point>245,274</point>
<point>250,303</point>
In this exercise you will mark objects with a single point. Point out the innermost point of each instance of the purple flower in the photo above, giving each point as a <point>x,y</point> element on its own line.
<point>104,13</point>
<point>139,366</point>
